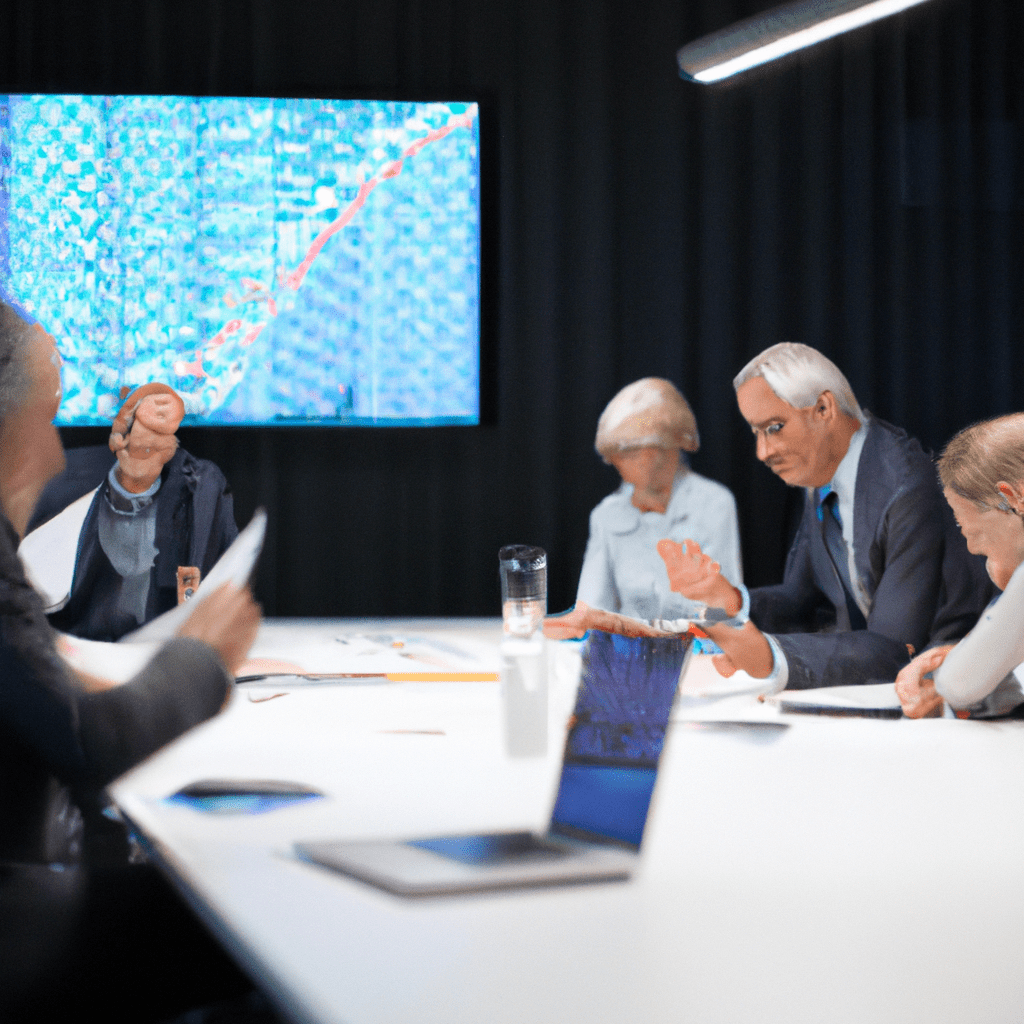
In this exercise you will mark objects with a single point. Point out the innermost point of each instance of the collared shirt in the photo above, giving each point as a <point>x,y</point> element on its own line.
<point>125,501</point>
<point>622,570</point>
<point>844,483</point>
<point>126,527</point>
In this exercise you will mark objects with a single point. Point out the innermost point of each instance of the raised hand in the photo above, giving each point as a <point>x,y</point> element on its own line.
<point>917,695</point>
<point>697,576</point>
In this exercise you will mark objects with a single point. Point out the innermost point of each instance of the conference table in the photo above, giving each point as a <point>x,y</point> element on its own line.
<point>795,867</point>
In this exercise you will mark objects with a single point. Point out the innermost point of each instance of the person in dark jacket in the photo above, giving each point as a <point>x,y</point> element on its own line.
<point>156,509</point>
<point>877,571</point>
<point>65,735</point>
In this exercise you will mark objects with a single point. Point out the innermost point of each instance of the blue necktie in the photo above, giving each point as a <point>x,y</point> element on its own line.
<point>832,532</point>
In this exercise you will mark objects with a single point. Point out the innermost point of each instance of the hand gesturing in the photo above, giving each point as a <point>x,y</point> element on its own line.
<point>227,620</point>
<point>697,576</point>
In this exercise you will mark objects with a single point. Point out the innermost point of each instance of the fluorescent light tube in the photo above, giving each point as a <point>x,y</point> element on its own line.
<point>774,33</point>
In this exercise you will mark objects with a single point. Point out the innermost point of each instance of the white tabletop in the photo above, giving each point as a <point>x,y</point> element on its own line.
<point>795,868</point>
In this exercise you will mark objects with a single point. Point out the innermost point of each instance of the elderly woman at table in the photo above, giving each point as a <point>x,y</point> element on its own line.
<point>982,473</point>
<point>643,433</point>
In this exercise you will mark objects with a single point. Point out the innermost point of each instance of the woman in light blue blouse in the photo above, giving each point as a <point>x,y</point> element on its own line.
<point>643,433</point>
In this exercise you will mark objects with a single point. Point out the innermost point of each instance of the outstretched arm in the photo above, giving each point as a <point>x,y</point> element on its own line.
<point>698,577</point>
<point>580,619</point>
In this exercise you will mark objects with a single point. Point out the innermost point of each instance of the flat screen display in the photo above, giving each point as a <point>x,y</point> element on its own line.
<point>617,732</point>
<point>275,261</point>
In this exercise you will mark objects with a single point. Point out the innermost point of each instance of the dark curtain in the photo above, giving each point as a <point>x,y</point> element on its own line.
<point>864,197</point>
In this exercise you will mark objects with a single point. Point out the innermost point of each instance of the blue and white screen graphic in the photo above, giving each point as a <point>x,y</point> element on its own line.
<point>275,261</point>
<point>616,734</point>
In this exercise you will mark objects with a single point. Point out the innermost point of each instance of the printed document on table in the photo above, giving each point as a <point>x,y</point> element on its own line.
<point>866,697</point>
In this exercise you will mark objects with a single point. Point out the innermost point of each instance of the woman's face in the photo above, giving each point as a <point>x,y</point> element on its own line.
<point>651,471</point>
<point>999,536</point>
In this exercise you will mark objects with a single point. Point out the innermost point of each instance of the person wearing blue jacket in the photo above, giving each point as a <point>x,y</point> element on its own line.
<point>156,509</point>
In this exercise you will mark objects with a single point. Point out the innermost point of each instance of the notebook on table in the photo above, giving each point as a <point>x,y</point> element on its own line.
<point>613,748</point>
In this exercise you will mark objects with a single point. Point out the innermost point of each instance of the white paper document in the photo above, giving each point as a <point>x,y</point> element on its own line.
<point>120,661</point>
<point>355,652</point>
<point>234,566</point>
<point>116,662</point>
<point>869,697</point>
<point>49,553</point>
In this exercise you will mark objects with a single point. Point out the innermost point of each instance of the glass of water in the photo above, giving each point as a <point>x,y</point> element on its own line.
<point>524,588</point>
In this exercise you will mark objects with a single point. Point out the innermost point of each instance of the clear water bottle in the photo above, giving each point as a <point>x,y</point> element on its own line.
<point>524,677</point>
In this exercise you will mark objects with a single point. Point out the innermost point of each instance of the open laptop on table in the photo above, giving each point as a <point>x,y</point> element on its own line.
<point>615,740</point>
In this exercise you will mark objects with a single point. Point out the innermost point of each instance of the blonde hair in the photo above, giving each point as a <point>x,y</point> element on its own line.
<point>981,456</point>
<point>647,413</point>
<point>799,374</point>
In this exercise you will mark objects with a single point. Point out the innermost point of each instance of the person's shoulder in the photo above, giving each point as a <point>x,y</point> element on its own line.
<point>615,512</point>
<point>203,471</point>
<point>17,597</point>
<point>891,456</point>
<point>708,489</point>
<point>896,476</point>
<point>701,499</point>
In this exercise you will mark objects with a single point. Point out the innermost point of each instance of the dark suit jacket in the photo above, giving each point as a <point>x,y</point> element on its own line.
<point>50,727</point>
<point>195,524</point>
<point>50,730</point>
<point>926,588</point>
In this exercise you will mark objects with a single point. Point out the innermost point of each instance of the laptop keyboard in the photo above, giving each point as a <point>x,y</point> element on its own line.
<point>501,847</point>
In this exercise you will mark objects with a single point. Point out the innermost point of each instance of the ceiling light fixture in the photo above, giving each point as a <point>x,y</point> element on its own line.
<point>774,33</point>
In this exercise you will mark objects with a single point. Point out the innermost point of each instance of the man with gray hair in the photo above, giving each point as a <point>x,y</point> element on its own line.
<point>877,570</point>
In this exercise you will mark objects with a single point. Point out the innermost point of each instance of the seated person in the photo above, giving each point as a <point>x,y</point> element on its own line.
<point>55,722</point>
<point>877,570</point>
<point>157,508</point>
<point>643,433</point>
<point>982,473</point>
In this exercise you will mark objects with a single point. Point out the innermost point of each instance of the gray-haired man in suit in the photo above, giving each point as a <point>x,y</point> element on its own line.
<point>877,570</point>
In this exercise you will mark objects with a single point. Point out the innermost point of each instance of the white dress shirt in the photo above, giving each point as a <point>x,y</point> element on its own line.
<point>844,483</point>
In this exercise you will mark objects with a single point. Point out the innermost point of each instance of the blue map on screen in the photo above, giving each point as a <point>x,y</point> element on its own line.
<point>275,261</point>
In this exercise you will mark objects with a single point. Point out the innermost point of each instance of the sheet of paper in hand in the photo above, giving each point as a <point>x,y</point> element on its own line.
<point>235,566</point>
<point>49,552</point>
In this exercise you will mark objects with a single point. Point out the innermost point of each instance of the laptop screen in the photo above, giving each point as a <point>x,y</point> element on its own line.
<point>616,734</point>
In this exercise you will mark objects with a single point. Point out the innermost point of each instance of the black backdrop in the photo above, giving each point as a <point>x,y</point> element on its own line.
<point>864,197</point>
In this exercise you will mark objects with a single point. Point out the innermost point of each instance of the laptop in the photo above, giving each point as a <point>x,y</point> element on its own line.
<point>615,740</point>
